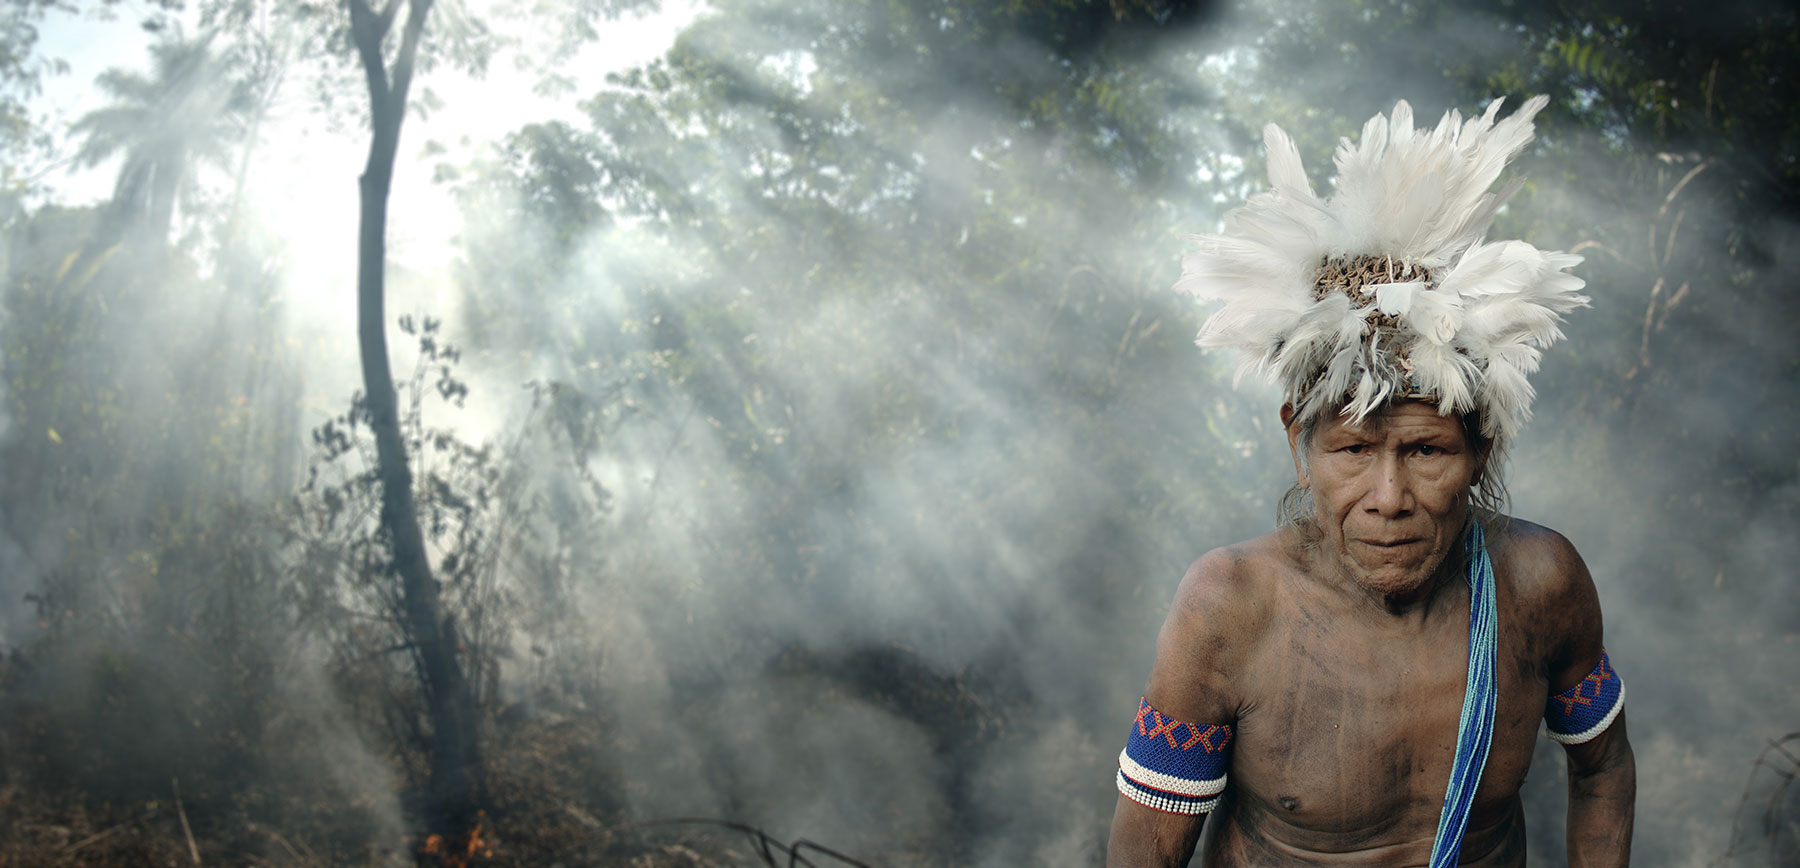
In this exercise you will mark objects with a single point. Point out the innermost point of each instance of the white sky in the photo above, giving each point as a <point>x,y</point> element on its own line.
<point>297,159</point>
<point>303,176</point>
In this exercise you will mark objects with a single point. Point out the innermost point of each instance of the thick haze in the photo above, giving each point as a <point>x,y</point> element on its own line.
<point>866,442</point>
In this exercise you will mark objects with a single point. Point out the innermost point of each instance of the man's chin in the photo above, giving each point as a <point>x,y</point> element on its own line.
<point>1390,579</point>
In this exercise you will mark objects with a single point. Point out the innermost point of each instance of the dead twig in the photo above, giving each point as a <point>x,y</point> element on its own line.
<point>308,859</point>
<point>97,836</point>
<point>1770,821</point>
<point>582,817</point>
<point>1591,244</point>
<point>186,830</point>
<point>767,847</point>
<point>794,853</point>
<point>1680,185</point>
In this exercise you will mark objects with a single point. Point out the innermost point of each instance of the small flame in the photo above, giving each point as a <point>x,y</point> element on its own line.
<point>435,846</point>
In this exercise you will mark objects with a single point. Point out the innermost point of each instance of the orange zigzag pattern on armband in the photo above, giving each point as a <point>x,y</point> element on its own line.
<point>1164,727</point>
<point>1573,696</point>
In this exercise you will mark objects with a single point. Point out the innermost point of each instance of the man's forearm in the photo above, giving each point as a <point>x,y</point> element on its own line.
<point>1602,802</point>
<point>1142,838</point>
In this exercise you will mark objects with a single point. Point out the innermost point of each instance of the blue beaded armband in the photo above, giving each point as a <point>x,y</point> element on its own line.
<point>1174,766</point>
<point>1578,714</point>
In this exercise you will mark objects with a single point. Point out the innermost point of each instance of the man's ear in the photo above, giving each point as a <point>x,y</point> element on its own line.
<point>1289,420</point>
<point>1482,457</point>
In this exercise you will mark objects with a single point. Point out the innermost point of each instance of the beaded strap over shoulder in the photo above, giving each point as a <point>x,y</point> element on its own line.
<point>1475,732</point>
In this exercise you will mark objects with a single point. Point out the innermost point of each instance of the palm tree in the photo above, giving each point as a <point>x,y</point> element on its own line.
<point>184,114</point>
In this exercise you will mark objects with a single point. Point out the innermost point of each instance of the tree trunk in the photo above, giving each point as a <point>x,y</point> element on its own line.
<point>455,759</point>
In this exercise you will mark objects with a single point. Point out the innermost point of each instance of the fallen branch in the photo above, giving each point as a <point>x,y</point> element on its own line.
<point>97,836</point>
<point>767,847</point>
<point>292,853</point>
<point>186,830</point>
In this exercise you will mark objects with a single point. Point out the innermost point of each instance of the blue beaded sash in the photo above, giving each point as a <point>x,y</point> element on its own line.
<point>1475,732</point>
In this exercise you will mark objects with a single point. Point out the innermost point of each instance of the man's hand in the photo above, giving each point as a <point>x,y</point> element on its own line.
<point>1602,799</point>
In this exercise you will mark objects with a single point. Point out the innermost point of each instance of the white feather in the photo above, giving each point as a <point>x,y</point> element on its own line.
<point>1396,299</point>
<point>1286,173</point>
<point>1439,369</point>
<point>1436,316</point>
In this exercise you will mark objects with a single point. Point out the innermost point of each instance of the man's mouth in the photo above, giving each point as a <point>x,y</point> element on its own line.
<point>1390,544</point>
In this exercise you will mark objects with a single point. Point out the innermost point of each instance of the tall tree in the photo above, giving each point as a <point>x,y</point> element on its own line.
<point>455,757</point>
<point>182,115</point>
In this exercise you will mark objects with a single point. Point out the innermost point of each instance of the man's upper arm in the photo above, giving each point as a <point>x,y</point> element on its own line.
<point>1572,611</point>
<point>1190,683</point>
<point>1202,642</point>
<point>1585,713</point>
<point>1586,694</point>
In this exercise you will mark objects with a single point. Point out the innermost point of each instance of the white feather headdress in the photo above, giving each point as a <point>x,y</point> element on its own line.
<point>1388,289</point>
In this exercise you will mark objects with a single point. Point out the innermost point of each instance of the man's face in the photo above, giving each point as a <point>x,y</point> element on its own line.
<point>1391,492</point>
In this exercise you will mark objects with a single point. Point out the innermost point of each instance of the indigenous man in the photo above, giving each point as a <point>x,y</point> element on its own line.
<point>1363,685</point>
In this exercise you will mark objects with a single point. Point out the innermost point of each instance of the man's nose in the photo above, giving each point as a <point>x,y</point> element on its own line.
<point>1390,493</point>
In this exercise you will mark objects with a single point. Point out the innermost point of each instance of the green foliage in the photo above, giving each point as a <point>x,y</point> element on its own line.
<point>22,71</point>
<point>133,470</point>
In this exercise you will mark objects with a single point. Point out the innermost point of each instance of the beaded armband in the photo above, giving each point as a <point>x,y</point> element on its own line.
<point>1173,766</point>
<point>1578,714</point>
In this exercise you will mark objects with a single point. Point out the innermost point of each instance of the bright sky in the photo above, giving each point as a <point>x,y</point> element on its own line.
<point>303,174</point>
<point>297,157</point>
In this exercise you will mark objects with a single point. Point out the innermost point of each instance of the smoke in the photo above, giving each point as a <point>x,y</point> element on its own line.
<point>1686,523</point>
<point>855,517</point>
<point>15,578</point>
<point>897,594</point>
<point>1011,550</point>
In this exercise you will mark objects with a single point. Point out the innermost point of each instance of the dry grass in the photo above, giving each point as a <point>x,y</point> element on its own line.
<point>550,805</point>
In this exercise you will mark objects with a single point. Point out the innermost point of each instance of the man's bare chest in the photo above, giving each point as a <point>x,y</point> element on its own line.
<point>1349,738</point>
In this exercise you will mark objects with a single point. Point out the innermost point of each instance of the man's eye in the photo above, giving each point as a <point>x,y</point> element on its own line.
<point>1356,448</point>
<point>1429,450</point>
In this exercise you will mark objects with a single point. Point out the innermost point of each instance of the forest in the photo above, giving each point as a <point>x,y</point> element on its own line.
<point>782,449</point>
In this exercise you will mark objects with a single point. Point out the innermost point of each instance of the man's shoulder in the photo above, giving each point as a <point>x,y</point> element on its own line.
<point>1551,591</point>
<point>1232,587</point>
<point>1220,613</point>
<point>1539,564</point>
<point>1232,571</point>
